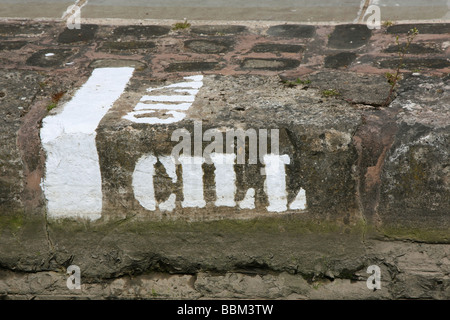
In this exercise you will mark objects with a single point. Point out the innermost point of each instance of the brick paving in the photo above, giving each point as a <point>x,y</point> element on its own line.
<point>288,50</point>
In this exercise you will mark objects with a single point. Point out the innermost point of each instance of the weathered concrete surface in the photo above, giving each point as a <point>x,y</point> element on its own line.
<point>375,178</point>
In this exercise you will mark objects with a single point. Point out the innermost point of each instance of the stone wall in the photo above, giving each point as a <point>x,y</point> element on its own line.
<point>322,181</point>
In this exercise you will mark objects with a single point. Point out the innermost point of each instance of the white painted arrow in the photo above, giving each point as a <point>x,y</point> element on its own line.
<point>72,183</point>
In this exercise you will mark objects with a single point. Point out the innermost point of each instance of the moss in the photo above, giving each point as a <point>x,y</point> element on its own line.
<point>13,222</point>
<point>427,235</point>
<point>267,225</point>
<point>330,93</point>
<point>298,81</point>
<point>51,106</point>
<point>181,25</point>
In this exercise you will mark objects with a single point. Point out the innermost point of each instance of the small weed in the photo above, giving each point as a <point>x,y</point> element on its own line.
<point>181,25</point>
<point>390,78</point>
<point>51,106</point>
<point>402,50</point>
<point>316,285</point>
<point>55,99</point>
<point>387,23</point>
<point>298,81</point>
<point>330,93</point>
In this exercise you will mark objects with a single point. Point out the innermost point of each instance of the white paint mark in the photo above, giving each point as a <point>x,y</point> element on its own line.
<point>72,183</point>
<point>249,200</point>
<point>299,202</point>
<point>179,98</point>
<point>177,103</point>
<point>192,182</point>
<point>142,182</point>
<point>50,54</point>
<point>275,183</point>
<point>143,185</point>
<point>169,204</point>
<point>169,164</point>
<point>225,178</point>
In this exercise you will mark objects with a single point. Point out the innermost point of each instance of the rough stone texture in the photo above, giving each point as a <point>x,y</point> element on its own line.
<point>408,271</point>
<point>311,128</point>
<point>340,60</point>
<point>415,48</point>
<point>277,47</point>
<point>292,31</point>
<point>127,46</point>
<point>49,58</point>
<point>353,88</point>
<point>416,172</point>
<point>116,63</point>
<point>269,64</point>
<point>12,45</point>
<point>140,32</point>
<point>7,30</point>
<point>349,36</point>
<point>214,30</point>
<point>86,33</point>
<point>209,46</point>
<point>424,28</point>
<point>191,66</point>
<point>18,92</point>
<point>415,63</point>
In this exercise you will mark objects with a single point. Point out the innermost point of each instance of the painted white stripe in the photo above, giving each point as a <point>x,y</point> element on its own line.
<point>192,182</point>
<point>225,178</point>
<point>177,102</point>
<point>142,182</point>
<point>72,183</point>
<point>275,183</point>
